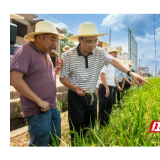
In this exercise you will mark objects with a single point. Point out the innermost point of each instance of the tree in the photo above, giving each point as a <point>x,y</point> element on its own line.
<point>65,41</point>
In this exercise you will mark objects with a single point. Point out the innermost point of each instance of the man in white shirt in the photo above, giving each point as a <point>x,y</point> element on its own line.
<point>105,92</point>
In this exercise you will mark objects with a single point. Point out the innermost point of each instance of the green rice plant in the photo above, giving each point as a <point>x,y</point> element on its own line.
<point>129,124</point>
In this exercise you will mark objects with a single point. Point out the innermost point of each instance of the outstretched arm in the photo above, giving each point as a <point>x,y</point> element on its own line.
<point>121,66</point>
<point>126,79</point>
<point>117,84</point>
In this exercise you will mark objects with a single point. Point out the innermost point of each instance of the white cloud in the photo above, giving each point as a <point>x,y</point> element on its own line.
<point>136,22</point>
<point>114,20</point>
<point>148,38</point>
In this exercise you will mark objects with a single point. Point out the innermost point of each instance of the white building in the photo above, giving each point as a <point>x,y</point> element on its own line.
<point>123,56</point>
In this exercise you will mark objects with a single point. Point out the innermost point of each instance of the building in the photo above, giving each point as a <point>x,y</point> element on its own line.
<point>27,25</point>
<point>143,70</point>
<point>123,56</point>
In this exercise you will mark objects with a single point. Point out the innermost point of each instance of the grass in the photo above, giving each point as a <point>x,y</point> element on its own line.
<point>130,122</point>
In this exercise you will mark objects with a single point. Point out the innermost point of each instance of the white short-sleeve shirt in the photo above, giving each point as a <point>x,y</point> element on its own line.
<point>109,74</point>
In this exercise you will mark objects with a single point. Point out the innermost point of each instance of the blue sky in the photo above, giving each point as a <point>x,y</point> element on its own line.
<point>142,26</point>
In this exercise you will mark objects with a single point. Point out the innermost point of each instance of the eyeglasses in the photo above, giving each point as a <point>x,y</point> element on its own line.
<point>89,42</point>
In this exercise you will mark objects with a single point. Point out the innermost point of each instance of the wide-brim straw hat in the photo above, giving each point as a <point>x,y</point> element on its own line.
<point>130,62</point>
<point>104,44</point>
<point>86,29</point>
<point>119,49</point>
<point>66,46</point>
<point>111,49</point>
<point>16,16</point>
<point>42,28</point>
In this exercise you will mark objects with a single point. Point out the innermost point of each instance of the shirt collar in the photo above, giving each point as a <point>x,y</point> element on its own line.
<point>35,47</point>
<point>79,52</point>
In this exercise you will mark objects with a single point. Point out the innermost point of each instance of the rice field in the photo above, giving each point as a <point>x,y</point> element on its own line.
<point>129,122</point>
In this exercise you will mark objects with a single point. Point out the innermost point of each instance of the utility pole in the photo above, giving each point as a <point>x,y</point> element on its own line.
<point>156,70</point>
<point>110,38</point>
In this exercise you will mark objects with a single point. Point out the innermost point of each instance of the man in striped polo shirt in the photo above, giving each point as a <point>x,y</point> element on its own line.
<point>81,70</point>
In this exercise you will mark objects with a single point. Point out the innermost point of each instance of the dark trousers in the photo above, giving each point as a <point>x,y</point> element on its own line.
<point>80,113</point>
<point>118,93</point>
<point>105,104</point>
<point>114,95</point>
<point>127,85</point>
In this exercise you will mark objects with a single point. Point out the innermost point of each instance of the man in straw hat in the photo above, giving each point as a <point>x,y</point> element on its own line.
<point>102,43</point>
<point>65,48</point>
<point>34,77</point>
<point>105,92</point>
<point>80,73</point>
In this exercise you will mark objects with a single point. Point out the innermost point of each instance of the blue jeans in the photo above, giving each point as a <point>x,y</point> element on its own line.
<point>40,126</point>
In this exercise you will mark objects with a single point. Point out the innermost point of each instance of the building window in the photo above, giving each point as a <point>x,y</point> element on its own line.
<point>21,28</point>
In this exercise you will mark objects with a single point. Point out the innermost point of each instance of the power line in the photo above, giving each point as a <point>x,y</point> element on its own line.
<point>61,24</point>
<point>64,22</point>
<point>51,19</point>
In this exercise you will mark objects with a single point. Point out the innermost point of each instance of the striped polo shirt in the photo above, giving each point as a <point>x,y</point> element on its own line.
<point>83,71</point>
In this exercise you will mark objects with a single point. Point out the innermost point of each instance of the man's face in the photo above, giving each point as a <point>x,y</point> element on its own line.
<point>88,44</point>
<point>48,41</point>
<point>66,49</point>
<point>114,54</point>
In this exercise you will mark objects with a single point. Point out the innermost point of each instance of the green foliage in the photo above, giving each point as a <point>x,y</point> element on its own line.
<point>65,41</point>
<point>62,106</point>
<point>18,108</point>
<point>129,124</point>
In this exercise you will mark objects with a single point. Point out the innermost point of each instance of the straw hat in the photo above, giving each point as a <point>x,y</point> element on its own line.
<point>66,46</point>
<point>111,49</point>
<point>119,49</point>
<point>16,16</point>
<point>41,28</point>
<point>86,29</point>
<point>104,44</point>
<point>130,62</point>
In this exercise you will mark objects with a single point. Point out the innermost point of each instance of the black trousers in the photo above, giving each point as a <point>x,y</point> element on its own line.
<point>119,94</point>
<point>105,104</point>
<point>114,95</point>
<point>80,113</point>
<point>127,85</point>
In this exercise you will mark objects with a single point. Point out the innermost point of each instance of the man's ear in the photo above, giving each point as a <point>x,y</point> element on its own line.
<point>79,39</point>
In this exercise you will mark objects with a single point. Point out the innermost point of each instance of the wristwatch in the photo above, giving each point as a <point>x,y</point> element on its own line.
<point>129,72</point>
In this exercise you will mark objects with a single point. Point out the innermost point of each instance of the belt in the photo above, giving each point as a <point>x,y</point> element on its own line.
<point>111,87</point>
<point>88,95</point>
